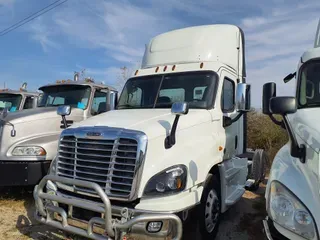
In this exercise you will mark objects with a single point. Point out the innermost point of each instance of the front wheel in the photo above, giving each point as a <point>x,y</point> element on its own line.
<point>210,209</point>
<point>258,169</point>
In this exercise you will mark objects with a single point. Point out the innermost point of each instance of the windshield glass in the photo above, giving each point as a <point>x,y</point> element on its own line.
<point>73,95</point>
<point>160,91</point>
<point>309,89</point>
<point>10,101</point>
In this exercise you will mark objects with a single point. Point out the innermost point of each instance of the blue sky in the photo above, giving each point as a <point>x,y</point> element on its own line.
<point>102,36</point>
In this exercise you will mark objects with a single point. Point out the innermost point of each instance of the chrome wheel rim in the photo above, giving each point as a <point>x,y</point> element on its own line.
<point>212,211</point>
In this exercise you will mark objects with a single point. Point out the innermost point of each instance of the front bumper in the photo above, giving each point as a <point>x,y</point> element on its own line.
<point>112,228</point>
<point>19,173</point>
<point>271,232</point>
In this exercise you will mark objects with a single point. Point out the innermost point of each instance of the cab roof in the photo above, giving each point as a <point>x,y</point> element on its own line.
<point>21,91</point>
<point>80,82</point>
<point>222,43</point>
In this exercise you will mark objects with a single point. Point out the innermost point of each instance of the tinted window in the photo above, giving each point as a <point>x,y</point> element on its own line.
<point>309,85</point>
<point>10,101</point>
<point>99,103</point>
<point>161,91</point>
<point>73,95</point>
<point>28,103</point>
<point>228,93</point>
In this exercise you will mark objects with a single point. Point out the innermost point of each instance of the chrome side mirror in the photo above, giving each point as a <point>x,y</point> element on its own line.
<point>180,108</point>
<point>243,101</point>
<point>64,110</point>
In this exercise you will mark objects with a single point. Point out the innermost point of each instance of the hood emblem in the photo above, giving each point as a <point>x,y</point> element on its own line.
<point>94,134</point>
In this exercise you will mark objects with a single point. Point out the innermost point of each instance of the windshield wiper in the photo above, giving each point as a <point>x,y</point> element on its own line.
<point>126,106</point>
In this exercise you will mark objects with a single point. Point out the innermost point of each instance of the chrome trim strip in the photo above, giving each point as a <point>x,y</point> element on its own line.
<point>267,230</point>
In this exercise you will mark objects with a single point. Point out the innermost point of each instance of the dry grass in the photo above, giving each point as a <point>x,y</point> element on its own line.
<point>264,134</point>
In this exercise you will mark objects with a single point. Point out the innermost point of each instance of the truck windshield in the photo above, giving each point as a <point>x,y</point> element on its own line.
<point>309,85</point>
<point>73,95</point>
<point>10,101</point>
<point>160,91</point>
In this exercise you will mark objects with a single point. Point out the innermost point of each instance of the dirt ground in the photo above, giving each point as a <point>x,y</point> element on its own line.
<point>241,222</point>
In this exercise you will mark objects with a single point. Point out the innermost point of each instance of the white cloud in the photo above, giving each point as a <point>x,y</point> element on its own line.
<point>42,34</point>
<point>6,2</point>
<point>277,31</point>
<point>275,41</point>
<point>120,28</point>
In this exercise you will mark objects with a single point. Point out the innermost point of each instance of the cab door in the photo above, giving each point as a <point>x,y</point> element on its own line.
<point>228,108</point>
<point>235,169</point>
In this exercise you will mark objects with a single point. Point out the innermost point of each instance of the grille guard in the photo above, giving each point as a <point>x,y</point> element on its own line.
<point>112,228</point>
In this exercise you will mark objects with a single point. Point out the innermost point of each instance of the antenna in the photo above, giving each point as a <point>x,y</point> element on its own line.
<point>317,39</point>
<point>238,48</point>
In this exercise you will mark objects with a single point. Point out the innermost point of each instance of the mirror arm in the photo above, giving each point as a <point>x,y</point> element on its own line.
<point>296,150</point>
<point>64,121</point>
<point>275,121</point>
<point>170,140</point>
<point>227,121</point>
<point>13,130</point>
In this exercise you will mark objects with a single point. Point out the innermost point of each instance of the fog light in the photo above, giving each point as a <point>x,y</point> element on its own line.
<point>154,227</point>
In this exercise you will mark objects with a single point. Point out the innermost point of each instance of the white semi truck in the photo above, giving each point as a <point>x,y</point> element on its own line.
<point>16,100</point>
<point>292,193</point>
<point>176,142</point>
<point>29,138</point>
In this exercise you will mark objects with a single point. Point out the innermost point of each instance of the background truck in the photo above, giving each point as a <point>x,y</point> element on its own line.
<point>292,193</point>
<point>16,100</point>
<point>175,143</point>
<point>29,138</point>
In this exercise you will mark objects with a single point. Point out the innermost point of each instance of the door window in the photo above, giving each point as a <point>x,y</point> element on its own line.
<point>28,103</point>
<point>228,95</point>
<point>99,104</point>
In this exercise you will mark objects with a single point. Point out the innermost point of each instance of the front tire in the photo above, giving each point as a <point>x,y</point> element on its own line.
<point>210,208</point>
<point>257,173</point>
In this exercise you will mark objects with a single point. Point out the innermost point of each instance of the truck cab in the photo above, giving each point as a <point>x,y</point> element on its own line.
<point>174,146</point>
<point>292,193</point>
<point>29,138</point>
<point>16,100</point>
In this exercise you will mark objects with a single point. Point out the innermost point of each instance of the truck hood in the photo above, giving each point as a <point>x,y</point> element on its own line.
<point>153,122</point>
<point>306,126</point>
<point>37,114</point>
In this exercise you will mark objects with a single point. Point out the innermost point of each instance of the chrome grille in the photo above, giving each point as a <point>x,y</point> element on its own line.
<point>109,163</point>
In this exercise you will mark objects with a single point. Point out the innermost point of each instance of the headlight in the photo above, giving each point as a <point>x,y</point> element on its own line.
<point>169,181</point>
<point>287,210</point>
<point>29,151</point>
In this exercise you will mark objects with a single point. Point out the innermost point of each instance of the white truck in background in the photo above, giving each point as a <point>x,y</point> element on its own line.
<point>29,138</point>
<point>292,193</point>
<point>175,143</point>
<point>16,100</point>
